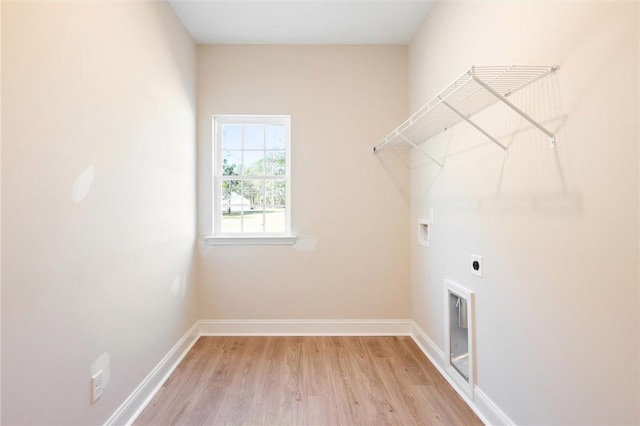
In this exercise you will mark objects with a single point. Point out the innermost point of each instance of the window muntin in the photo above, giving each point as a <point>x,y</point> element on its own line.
<point>252,184</point>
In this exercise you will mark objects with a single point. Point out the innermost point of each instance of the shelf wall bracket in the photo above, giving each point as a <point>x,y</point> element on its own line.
<point>426,155</point>
<point>475,126</point>
<point>552,138</point>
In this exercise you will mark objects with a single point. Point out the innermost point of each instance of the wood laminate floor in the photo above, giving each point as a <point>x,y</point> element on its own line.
<point>306,381</point>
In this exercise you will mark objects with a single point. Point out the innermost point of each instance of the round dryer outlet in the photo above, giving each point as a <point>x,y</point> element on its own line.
<point>476,265</point>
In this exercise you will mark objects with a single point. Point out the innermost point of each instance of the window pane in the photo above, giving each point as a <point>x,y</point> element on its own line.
<point>253,215</point>
<point>276,137</point>
<point>231,163</point>
<point>229,209</point>
<point>275,163</point>
<point>253,136</point>
<point>275,200</point>
<point>232,136</point>
<point>253,163</point>
<point>230,222</point>
<point>275,221</point>
<point>231,190</point>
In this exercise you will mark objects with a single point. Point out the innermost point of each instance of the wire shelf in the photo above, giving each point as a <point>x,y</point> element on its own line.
<point>475,90</point>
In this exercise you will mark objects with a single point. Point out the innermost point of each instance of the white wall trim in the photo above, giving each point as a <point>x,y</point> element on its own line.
<point>384,327</point>
<point>483,406</point>
<point>142,395</point>
<point>250,240</point>
<point>494,413</point>
<point>428,346</point>
<point>131,408</point>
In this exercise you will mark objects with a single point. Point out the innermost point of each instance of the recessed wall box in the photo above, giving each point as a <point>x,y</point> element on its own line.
<point>459,305</point>
<point>423,232</point>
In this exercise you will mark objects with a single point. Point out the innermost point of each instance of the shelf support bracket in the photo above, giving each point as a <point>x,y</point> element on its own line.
<point>552,138</point>
<point>426,155</point>
<point>475,126</point>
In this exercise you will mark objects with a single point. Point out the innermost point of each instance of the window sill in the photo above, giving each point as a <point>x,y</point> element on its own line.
<point>250,241</point>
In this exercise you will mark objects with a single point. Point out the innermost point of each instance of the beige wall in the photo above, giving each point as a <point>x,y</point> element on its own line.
<point>557,310</point>
<point>0,211</point>
<point>98,202</point>
<point>352,256</point>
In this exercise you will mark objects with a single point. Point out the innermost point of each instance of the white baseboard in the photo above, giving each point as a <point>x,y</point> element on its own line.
<point>131,408</point>
<point>482,405</point>
<point>427,345</point>
<point>494,414</point>
<point>142,395</point>
<point>383,327</point>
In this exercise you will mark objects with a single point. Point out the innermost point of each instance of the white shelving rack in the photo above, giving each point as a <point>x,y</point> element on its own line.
<point>475,90</point>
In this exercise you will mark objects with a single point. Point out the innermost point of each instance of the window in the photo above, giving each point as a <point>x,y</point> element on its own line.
<point>251,179</point>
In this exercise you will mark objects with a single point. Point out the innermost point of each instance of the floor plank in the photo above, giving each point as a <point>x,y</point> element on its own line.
<point>306,381</point>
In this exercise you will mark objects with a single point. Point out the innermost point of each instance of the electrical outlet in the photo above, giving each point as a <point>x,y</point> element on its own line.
<point>476,265</point>
<point>96,386</point>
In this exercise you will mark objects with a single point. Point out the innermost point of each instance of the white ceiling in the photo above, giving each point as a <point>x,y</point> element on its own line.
<point>302,21</point>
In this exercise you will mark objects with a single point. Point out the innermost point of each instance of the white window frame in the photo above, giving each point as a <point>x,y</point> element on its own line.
<point>239,238</point>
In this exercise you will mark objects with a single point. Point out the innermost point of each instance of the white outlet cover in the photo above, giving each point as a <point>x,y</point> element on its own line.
<point>96,386</point>
<point>472,265</point>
